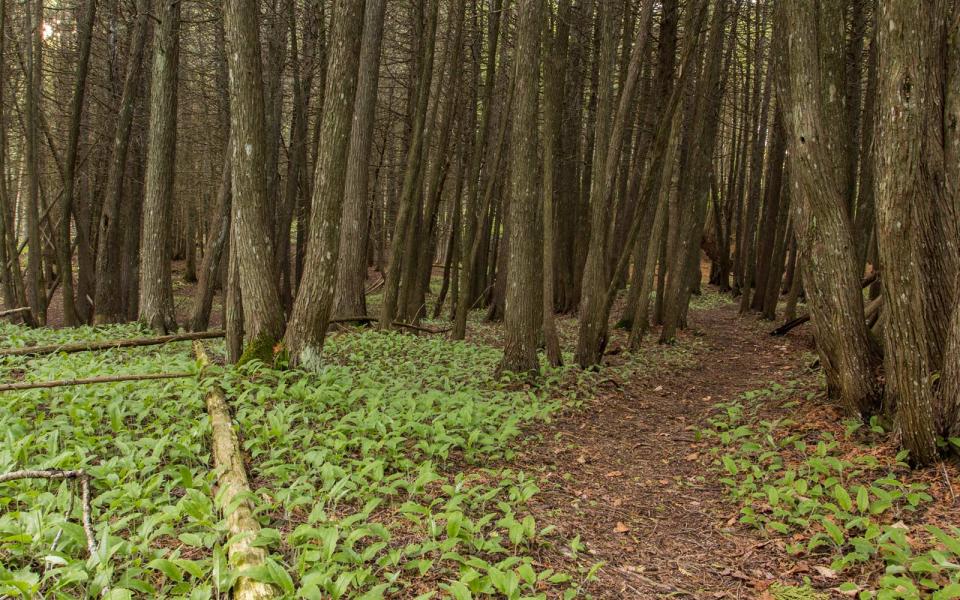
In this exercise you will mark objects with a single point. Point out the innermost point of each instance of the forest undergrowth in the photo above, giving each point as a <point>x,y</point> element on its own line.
<point>393,471</point>
<point>835,497</point>
<point>369,475</point>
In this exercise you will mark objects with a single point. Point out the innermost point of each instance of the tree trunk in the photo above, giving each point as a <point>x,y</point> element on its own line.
<point>36,294</point>
<point>311,309</point>
<point>352,268</point>
<point>407,210</point>
<point>156,287</point>
<point>523,317</point>
<point>262,312</point>
<point>821,219</point>
<point>918,208</point>
<point>107,303</point>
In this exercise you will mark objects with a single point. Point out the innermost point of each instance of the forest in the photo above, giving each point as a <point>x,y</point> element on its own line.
<point>464,299</point>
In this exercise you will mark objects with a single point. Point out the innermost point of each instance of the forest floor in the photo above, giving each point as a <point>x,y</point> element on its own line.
<point>629,475</point>
<point>711,468</point>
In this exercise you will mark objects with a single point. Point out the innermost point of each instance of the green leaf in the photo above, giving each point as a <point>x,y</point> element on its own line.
<point>843,498</point>
<point>863,499</point>
<point>729,464</point>
<point>168,568</point>
<point>834,531</point>
<point>460,591</point>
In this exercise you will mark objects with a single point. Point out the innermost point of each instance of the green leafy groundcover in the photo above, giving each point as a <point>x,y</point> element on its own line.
<point>385,473</point>
<point>848,511</point>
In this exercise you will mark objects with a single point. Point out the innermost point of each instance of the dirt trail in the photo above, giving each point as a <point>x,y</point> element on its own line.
<point>628,476</point>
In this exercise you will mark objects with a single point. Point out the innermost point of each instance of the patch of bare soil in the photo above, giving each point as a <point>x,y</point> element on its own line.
<point>628,476</point>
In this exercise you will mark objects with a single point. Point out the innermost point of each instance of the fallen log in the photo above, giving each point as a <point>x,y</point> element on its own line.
<point>794,323</point>
<point>32,385</point>
<point>110,344</point>
<point>14,311</point>
<point>234,489</point>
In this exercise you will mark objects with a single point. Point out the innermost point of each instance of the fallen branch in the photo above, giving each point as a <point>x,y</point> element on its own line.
<point>14,311</point>
<point>234,487</point>
<point>794,323</point>
<point>32,385</point>
<point>790,325</point>
<point>375,286</point>
<point>110,344</point>
<point>78,474</point>
<point>395,324</point>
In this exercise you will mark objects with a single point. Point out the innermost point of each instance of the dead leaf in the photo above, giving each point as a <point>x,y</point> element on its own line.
<point>825,572</point>
<point>614,474</point>
<point>851,593</point>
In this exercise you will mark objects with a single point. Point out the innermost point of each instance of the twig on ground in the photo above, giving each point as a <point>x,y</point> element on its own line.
<point>365,319</point>
<point>32,385</point>
<point>79,474</point>
<point>946,477</point>
<point>110,344</point>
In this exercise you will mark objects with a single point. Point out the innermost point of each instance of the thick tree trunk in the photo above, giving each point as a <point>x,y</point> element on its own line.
<point>156,287</point>
<point>523,317</point>
<point>918,211</point>
<point>311,309</point>
<point>262,312</point>
<point>821,219</point>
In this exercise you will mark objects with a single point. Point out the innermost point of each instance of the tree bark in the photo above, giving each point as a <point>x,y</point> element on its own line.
<point>36,294</point>
<point>523,317</point>
<point>354,232</point>
<point>917,214</point>
<point>262,312</point>
<point>821,219</point>
<point>156,287</point>
<point>311,309</point>
<point>107,305</point>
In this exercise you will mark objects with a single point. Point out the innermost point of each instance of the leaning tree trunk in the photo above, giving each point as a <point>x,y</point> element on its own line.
<point>311,309</point>
<point>156,288</point>
<point>107,306</point>
<point>64,246</point>
<point>592,331</point>
<point>821,220</point>
<point>412,176</point>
